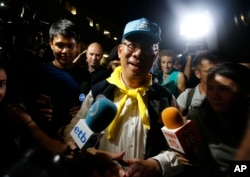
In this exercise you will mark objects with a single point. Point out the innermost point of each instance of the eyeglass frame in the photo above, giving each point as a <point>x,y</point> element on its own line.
<point>133,47</point>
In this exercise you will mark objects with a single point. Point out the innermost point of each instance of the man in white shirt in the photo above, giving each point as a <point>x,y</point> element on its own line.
<point>193,97</point>
<point>136,129</point>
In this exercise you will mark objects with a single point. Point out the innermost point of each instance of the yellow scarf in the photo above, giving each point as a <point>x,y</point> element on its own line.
<point>137,93</point>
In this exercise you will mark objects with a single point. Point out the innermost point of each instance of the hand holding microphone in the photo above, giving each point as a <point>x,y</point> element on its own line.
<point>87,132</point>
<point>181,135</point>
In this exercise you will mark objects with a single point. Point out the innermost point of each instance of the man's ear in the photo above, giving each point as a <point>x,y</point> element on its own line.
<point>51,44</point>
<point>119,48</point>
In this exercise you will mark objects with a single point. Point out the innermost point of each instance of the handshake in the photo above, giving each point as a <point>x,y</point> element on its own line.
<point>86,135</point>
<point>97,163</point>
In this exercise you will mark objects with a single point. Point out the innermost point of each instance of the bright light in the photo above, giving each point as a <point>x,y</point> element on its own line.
<point>196,25</point>
<point>73,10</point>
<point>105,55</point>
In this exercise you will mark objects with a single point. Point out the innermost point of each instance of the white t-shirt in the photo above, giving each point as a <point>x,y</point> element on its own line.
<point>196,99</point>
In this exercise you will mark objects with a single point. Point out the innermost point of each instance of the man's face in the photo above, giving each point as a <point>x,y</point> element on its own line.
<point>202,71</point>
<point>94,55</point>
<point>115,63</point>
<point>136,58</point>
<point>64,49</point>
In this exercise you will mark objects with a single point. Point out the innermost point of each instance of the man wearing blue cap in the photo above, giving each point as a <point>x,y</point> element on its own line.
<point>136,128</point>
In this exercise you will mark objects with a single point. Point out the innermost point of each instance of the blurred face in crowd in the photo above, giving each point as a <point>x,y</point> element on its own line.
<point>136,59</point>
<point>3,81</point>
<point>64,50</point>
<point>167,64</point>
<point>114,64</point>
<point>202,70</point>
<point>177,65</point>
<point>222,93</point>
<point>94,55</point>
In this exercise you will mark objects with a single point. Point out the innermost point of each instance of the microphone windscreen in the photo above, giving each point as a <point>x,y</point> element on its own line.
<point>101,114</point>
<point>172,118</point>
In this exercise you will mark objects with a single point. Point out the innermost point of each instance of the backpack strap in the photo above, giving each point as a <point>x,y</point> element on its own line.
<point>189,100</point>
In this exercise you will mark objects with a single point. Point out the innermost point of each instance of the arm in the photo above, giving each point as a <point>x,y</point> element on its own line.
<point>22,119</point>
<point>181,85</point>
<point>80,115</point>
<point>144,168</point>
<point>171,163</point>
<point>44,108</point>
<point>182,100</point>
<point>168,163</point>
<point>188,67</point>
<point>243,152</point>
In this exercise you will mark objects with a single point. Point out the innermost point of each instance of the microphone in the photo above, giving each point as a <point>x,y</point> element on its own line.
<point>88,132</point>
<point>181,135</point>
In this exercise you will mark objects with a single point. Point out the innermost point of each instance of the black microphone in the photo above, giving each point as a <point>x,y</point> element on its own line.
<point>88,132</point>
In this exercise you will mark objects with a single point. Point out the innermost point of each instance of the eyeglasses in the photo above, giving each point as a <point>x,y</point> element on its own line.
<point>132,47</point>
<point>203,71</point>
<point>147,49</point>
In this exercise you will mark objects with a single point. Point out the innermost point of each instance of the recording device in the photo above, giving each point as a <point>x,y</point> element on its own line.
<point>88,132</point>
<point>181,135</point>
<point>194,48</point>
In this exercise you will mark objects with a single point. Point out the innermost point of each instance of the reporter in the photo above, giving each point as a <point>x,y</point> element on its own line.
<point>222,118</point>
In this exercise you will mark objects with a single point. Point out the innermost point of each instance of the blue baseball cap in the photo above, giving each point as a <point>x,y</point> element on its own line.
<point>142,27</point>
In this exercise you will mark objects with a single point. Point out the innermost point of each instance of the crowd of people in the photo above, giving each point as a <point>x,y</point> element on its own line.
<point>141,80</point>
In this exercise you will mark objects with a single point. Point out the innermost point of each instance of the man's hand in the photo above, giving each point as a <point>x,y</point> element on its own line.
<point>111,155</point>
<point>98,163</point>
<point>141,168</point>
<point>44,107</point>
<point>72,150</point>
<point>74,110</point>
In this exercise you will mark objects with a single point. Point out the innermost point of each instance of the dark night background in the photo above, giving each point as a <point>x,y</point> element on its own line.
<point>231,33</point>
<point>230,36</point>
